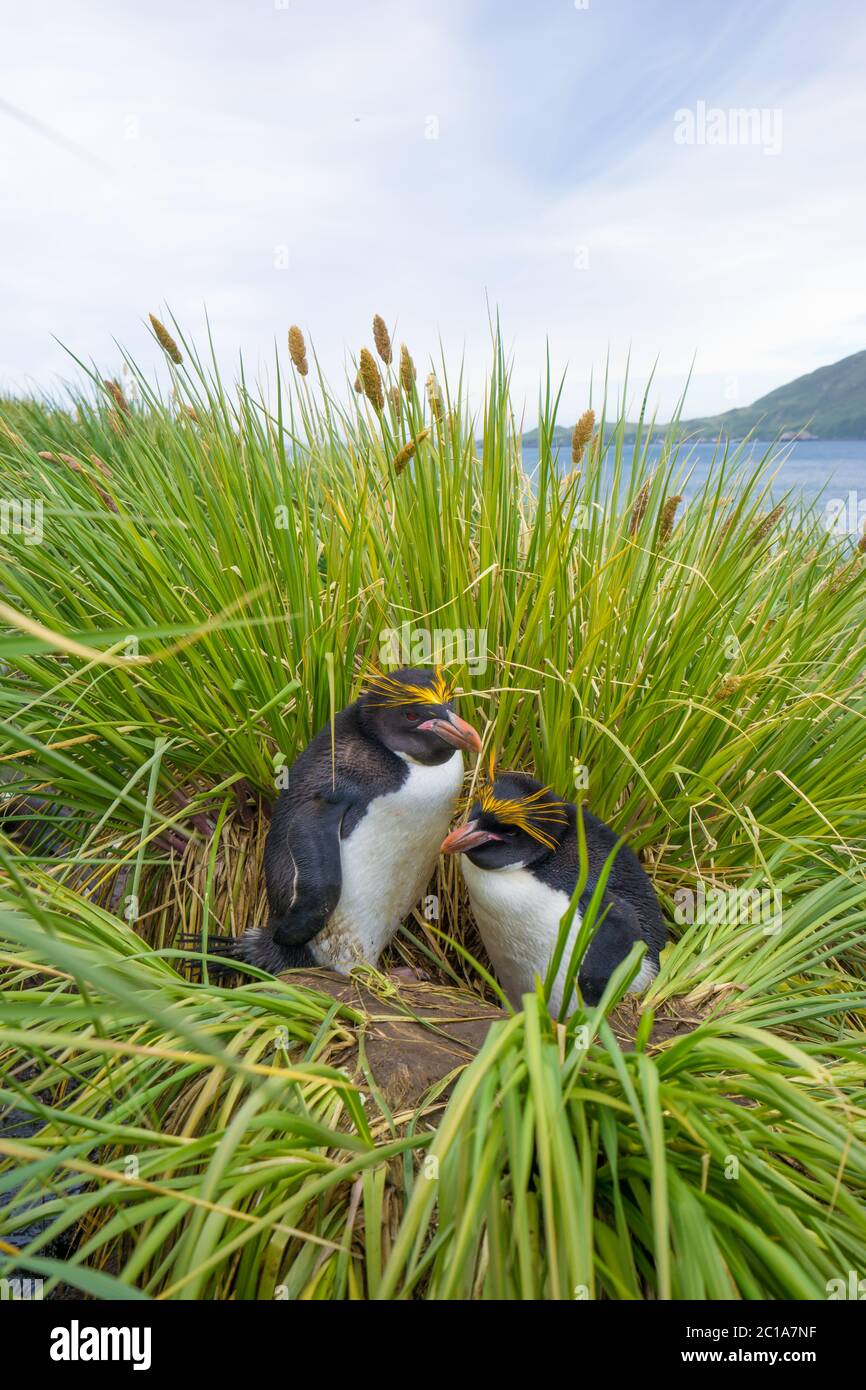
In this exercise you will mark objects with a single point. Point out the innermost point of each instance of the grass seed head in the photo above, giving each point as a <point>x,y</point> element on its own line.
<point>71,462</point>
<point>298,350</point>
<point>101,465</point>
<point>582,435</point>
<point>838,578</point>
<point>729,686</point>
<point>77,467</point>
<point>12,436</point>
<point>371,380</point>
<point>408,450</point>
<point>434,396</point>
<point>765,525</point>
<point>407,369</point>
<point>115,391</point>
<point>382,338</point>
<point>669,511</point>
<point>638,511</point>
<point>165,340</point>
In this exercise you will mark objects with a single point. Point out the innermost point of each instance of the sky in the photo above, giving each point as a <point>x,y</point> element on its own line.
<point>560,163</point>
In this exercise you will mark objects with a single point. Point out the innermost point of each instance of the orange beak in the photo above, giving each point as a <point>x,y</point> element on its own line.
<point>466,837</point>
<point>454,730</point>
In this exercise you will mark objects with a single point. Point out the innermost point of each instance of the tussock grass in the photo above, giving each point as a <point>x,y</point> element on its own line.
<point>217,568</point>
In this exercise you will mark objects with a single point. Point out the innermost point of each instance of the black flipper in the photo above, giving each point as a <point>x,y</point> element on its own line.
<point>304,878</point>
<point>304,875</point>
<point>303,870</point>
<point>613,940</point>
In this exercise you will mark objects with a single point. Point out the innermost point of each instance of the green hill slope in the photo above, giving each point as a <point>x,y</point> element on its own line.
<point>829,403</point>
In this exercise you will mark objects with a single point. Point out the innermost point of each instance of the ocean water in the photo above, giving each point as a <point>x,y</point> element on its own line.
<point>832,470</point>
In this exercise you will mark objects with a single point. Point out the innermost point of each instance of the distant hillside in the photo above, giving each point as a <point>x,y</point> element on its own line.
<point>829,403</point>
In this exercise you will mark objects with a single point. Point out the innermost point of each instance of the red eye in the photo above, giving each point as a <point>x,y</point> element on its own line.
<point>413,716</point>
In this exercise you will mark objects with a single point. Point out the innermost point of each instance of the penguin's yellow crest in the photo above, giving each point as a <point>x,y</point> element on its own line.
<point>530,813</point>
<point>395,692</point>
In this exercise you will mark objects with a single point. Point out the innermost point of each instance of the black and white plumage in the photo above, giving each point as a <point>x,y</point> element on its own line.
<point>356,832</point>
<point>520,860</point>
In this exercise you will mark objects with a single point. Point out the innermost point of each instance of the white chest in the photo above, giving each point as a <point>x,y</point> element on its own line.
<point>387,862</point>
<point>518,917</point>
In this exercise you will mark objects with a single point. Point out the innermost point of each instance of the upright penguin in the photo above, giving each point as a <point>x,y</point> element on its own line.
<point>355,835</point>
<point>520,861</point>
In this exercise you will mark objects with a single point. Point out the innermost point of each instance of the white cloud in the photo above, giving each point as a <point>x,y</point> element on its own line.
<point>256,128</point>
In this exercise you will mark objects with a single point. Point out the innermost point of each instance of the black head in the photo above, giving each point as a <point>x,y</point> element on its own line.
<point>515,821</point>
<point>411,711</point>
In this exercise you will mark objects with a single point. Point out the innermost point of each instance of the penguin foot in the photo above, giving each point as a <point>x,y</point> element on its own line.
<point>256,947</point>
<point>217,943</point>
<point>225,946</point>
<point>259,947</point>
